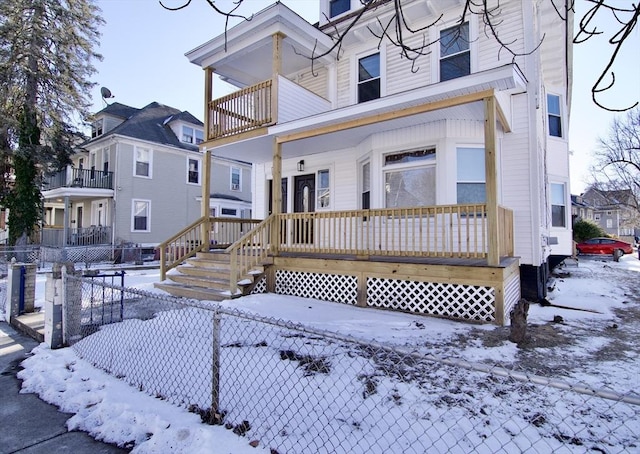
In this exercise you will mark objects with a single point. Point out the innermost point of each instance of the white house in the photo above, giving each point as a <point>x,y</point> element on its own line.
<point>438,186</point>
<point>137,181</point>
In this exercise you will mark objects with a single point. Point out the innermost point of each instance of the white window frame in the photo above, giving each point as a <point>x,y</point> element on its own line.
<point>187,137</point>
<point>198,135</point>
<point>198,169</point>
<point>319,190</point>
<point>558,115</point>
<point>471,26</point>
<point>150,153</point>
<point>383,71</point>
<point>133,214</point>
<point>481,180</point>
<point>362,188</point>
<point>238,186</point>
<point>565,221</point>
<point>97,128</point>
<point>426,163</point>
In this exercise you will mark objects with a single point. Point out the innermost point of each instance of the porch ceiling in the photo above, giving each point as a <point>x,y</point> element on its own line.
<point>75,194</point>
<point>244,56</point>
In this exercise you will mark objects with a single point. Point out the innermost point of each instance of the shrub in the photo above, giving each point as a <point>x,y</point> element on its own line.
<point>584,229</point>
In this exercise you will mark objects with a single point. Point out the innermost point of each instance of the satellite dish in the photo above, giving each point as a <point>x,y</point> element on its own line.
<point>106,93</point>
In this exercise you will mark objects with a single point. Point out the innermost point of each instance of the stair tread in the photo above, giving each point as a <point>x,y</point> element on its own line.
<point>189,291</point>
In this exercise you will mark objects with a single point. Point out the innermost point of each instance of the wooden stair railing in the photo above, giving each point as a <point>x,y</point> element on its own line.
<point>249,251</point>
<point>184,244</point>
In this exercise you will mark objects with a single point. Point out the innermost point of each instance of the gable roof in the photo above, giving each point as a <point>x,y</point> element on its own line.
<point>151,123</point>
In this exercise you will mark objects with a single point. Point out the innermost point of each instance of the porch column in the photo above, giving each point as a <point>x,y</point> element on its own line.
<point>208,93</point>
<point>276,195</point>
<point>276,69</point>
<point>65,226</point>
<point>490,159</point>
<point>206,195</point>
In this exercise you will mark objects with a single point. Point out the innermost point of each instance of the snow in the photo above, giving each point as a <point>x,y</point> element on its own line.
<point>111,410</point>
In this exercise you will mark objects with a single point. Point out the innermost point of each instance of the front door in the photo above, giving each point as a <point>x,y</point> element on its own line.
<point>304,202</point>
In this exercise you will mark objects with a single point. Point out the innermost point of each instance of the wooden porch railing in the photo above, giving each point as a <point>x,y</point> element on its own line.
<point>505,230</point>
<point>241,111</point>
<point>188,241</point>
<point>250,251</point>
<point>456,231</point>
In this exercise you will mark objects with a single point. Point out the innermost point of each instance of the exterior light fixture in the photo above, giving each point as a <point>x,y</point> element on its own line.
<point>301,166</point>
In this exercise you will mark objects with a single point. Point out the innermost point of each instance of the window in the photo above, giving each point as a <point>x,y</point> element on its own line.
<point>597,216</point>
<point>235,179</point>
<point>609,213</point>
<point>555,119</point>
<point>199,136</point>
<point>455,57</point>
<point>92,163</point>
<point>229,212</point>
<point>337,7</point>
<point>105,160</point>
<point>410,178</point>
<point>140,216</point>
<point>97,128</point>
<point>609,223</point>
<point>366,186</point>
<point>558,205</point>
<point>193,171</point>
<point>471,187</point>
<point>142,162</point>
<point>369,78</point>
<point>322,190</point>
<point>187,134</point>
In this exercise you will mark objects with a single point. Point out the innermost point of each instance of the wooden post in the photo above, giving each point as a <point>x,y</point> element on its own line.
<point>276,198</point>
<point>208,93</point>
<point>276,69</point>
<point>206,195</point>
<point>491,165</point>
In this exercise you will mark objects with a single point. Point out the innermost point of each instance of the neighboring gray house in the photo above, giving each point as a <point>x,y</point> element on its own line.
<point>580,210</point>
<point>139,180</point>
<point>614,211</point>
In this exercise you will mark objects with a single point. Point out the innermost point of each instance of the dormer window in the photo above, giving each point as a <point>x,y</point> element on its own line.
<point>192,135</point>
<point>97,128</point>
<point>337,7</point>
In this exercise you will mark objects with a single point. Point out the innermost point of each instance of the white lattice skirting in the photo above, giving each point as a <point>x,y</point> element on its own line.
<point>465,302</point>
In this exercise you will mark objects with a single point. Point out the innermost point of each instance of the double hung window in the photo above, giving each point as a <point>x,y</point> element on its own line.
<point>235,179</point>
<point>455,56</point>
<point>193,171</point>
<point>369,78</point>
<point>471,179</point>
<point>322,190</point>
<point>555,117</point>
<point>558,205</point>
<point>142,162</point>
<point>140,216</point>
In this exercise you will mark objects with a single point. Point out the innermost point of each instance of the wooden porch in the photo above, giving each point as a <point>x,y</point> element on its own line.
<point>369,258</point>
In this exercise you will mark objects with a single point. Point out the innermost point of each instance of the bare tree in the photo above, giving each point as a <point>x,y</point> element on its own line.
<point>397,30</point>
<point>616,170</point>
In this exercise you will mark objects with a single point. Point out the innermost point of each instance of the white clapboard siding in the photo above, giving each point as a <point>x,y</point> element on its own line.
<point>399,69</point>
<point>510,29</point>
<point>296,102</point>
<point>315,81</point>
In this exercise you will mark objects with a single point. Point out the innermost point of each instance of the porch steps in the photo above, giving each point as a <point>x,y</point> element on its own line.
<point>204,277</point>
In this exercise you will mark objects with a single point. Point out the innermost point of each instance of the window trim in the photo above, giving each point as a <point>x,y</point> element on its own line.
<point>558,115</point>
<point>135,150</point>
<point>184,135</point>
<point>198,170</point>
<point>133,212</point>
<point>565,222</point>
<point>318,206</point>
<point>239,184</point>
<point>483,180</point>
<point>471,35</point>
<point>383,72</point>
<point>411,165</point>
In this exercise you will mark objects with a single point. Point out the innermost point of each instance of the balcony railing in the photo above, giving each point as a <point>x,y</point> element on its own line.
<point>242,111</point>
<point>79,178</point>
<point>87,236</point>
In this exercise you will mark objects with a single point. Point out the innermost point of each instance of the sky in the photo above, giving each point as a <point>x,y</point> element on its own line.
<point>143,46</point>
<point>111,410</point>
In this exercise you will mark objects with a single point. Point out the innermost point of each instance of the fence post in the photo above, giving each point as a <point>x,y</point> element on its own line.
<point>215,416</point>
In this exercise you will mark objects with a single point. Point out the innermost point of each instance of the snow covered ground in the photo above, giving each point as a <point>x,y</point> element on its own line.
<point>593,341</point>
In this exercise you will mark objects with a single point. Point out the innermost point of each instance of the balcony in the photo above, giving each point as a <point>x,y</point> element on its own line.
<point>255,107</point>
<point>79,178</point>
<point>87,236</point>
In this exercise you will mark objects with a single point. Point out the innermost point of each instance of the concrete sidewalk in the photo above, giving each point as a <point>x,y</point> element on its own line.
<point>28,424</point>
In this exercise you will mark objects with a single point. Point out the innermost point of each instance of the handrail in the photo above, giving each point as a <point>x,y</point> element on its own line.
<point>175,252</point>
<point>243,110</point>
<point>249,251</point>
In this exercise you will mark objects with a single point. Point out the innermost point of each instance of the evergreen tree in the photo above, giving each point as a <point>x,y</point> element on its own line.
<point>46,54</point>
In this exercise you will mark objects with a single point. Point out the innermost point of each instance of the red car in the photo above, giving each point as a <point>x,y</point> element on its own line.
<point>603,246</point>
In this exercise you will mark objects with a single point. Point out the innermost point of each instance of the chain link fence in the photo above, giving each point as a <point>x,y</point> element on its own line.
<point>296,389</point>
